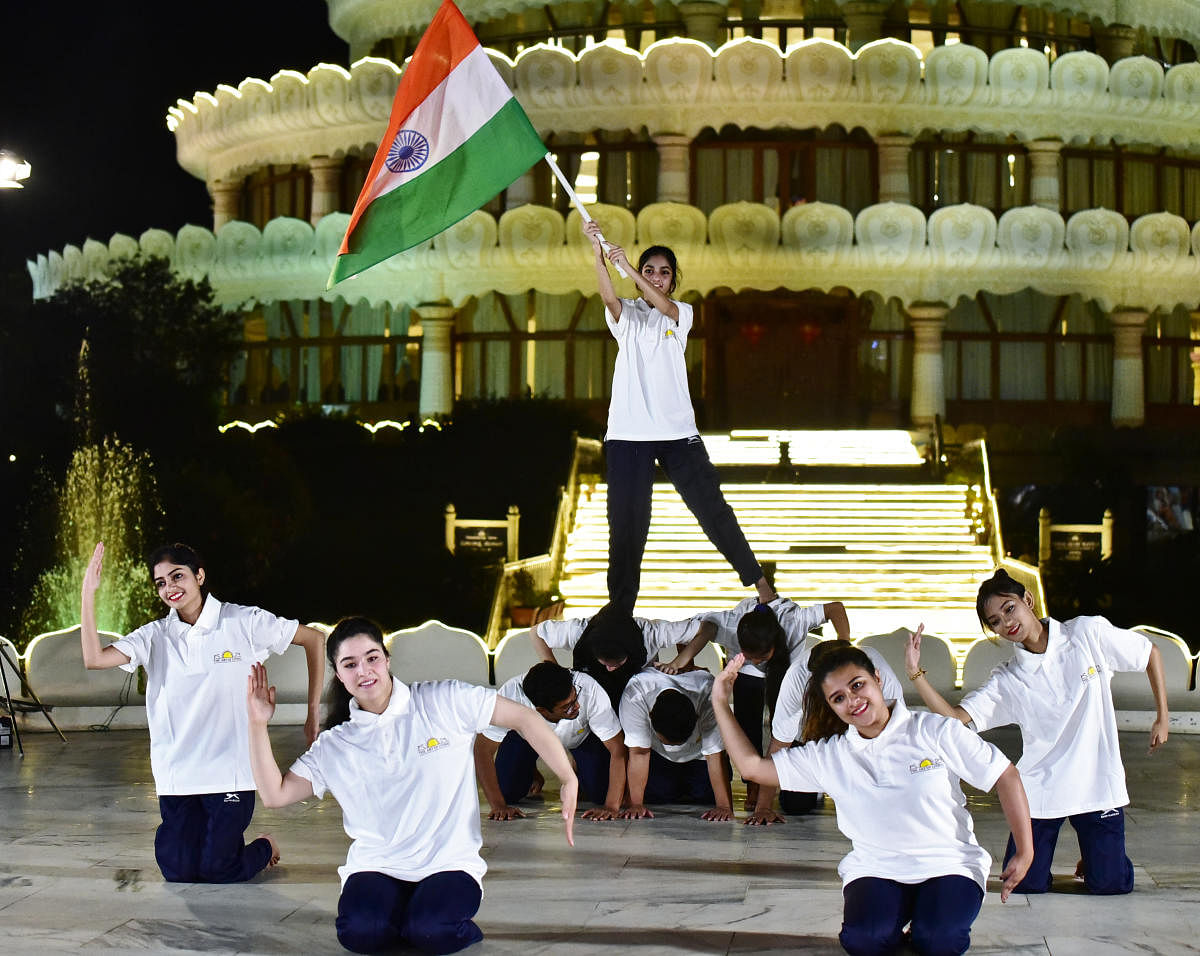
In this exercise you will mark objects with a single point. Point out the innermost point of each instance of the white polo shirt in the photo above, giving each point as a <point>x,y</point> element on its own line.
<point>789,708</point>
<point>650,398</point>
<point>656,635</point>
<point>1062,701</point>
<point>595,712</point>
<point>898,797</point>
<point>638,698</point>
<point>795,620</point>
<point>405,780</point>
<point>196,692</point>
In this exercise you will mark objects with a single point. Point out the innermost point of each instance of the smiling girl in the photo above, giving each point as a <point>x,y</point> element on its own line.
<point>1056,688</point>
<point>196,660</point>
<point>399,761</point>
<point>650,418</point>
<point>894,778</point>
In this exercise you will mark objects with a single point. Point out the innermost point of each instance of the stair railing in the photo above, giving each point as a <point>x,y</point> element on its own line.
<point>1021,571</point>
<point>546,569</point>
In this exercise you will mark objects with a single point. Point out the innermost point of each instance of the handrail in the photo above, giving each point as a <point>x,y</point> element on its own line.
<point>545,569</point>
<point>1027,574</point>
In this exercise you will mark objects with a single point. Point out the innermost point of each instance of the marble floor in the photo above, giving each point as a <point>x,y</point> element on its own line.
<point>77,872</point>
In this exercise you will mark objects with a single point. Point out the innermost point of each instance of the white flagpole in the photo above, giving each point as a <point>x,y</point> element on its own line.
<point>566,185</point>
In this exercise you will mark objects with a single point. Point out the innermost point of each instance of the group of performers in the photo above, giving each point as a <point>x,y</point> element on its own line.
<point>631,730</point>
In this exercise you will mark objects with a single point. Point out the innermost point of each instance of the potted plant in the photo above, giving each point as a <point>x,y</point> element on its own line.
<point>528,604</point>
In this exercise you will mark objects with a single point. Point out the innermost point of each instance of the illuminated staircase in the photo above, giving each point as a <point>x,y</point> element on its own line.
<point>895,553</point>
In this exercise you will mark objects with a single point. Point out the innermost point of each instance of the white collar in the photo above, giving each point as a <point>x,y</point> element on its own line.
<point>1027,660</point>
<point>899,714</point>
<point>210,614</point>
<point>397,706</point>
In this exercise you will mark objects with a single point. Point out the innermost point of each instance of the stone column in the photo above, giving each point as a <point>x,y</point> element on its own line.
<point>227,200</point>
<point>864,22</point>
<point>702,21</point>
<point>1129,391</point>
<point>928,369</point>
<point>1195,357</point>
<point>1045,173</point>
<point>893,151</point>
<point>1115,41</point>
<point>437,372</point>
<point>326,173</point>
<point>674,168</point>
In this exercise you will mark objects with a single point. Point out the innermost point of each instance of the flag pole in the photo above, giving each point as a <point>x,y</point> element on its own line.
<point>578,204</point>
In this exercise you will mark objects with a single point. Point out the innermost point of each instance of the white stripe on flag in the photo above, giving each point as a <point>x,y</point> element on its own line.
<point>450,115</point>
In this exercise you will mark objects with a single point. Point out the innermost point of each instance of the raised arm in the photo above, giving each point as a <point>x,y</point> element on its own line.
<point>835,614</point>
<point>750,764</point>
<point>485,773</point>
<point>540,647</point>
<point>683,659</point>
<point>313,642</point>
<point>530,725</point>
<point>1158,685</point>
<point>608,294</point>
<point>1015,804</point>
<point>933,700</point>
<point>275,789</point>
<point>95,657</point>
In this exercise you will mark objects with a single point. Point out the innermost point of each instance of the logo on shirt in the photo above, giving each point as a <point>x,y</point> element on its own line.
<point>926,764</point>
<point>432,745</point>
<point>227,657</point>
<point>669,334</point>
<point>1090,674</point>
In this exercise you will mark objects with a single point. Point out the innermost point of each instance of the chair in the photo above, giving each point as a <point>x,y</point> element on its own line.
<point>936,659</point>
<point>436,651</point>
<point>515,655</point>
<point>982,658</point>
<point>1131,689</point>
<point>54,666</point>
<point>289,673</point>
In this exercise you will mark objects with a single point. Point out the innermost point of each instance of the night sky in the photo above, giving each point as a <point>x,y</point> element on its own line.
<point>84,92</point>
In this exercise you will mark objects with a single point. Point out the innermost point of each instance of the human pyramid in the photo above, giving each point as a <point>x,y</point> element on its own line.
<point>405,761</point>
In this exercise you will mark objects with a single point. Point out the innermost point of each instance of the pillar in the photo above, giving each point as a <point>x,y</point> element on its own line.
<point>702,21</point>
<point>1114,41</point>
<point>1195,357</point>
<point>1045,173</point>
<point>437,373</point>
<point>326,173</point>
<point>928,370</point>
<point>674,168</point>
<point>227,199</point>
<point>893,151</point>
<point>1129,393</point>
<point>864,22</point>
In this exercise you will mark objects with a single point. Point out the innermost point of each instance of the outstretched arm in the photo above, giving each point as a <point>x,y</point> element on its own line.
<point>485,773</point>
<point>608,294</point>
<point>530,725</point>
<point>95,657</point>
<point>933,700</point>
<point>750,764</point>
<point>313,642</point>
<point>274,788</point>
<point>1158,685</point>
<point>1015,804</point>
<point>705,633</point>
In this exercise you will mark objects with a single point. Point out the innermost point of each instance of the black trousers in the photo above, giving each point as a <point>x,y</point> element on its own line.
<point>630,475</point>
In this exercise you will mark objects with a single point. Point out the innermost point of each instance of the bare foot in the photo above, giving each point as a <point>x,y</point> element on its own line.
<point>274,849</point>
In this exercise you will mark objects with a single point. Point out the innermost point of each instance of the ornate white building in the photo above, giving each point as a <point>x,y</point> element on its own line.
<point>883,211</point>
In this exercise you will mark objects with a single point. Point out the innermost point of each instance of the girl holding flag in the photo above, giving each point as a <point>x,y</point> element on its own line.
<point>650,419</point>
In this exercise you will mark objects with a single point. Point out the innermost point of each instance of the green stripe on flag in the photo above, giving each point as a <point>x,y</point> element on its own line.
<point>499,152</point>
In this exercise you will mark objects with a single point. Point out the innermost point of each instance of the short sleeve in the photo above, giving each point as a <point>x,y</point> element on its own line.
<point>599,716</point>
<point>509,690</point>
<point>270,633</point>
<point>797,768</point>
<point>1123,650</point>
<point>726,623</point>
<point>663,635</point>
<point>136,646</point>
<point>635,719</point>
<point>987,705</point>
<point>789,707</point>
<point>620,330</point>
<point>565,634</point>
<point>308,766</point>
<point>472,706</point>
<point>972,758</point>
<point>686,317</point>
<point>710,734</point>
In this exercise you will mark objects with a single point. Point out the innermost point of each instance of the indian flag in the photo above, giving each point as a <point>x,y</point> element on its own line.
<point>456,137</point>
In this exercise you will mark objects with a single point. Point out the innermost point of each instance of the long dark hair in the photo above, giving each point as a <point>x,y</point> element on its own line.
<point>759,631</point>
<point>178,553</point>
<point>337,702</point>
<point>998,583</point>
<point>611,634</point>
<point>820,722</point>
